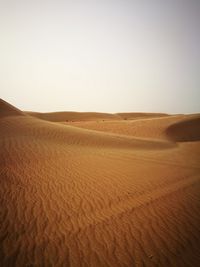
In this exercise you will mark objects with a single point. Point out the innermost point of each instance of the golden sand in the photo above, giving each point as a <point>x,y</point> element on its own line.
<point>93,189</point>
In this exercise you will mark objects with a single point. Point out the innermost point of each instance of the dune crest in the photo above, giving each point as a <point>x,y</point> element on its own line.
<point>7,109</point>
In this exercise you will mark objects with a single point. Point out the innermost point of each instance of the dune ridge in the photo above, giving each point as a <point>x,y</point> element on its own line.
<point>73,116</point>
<point>90,116</point>
<point>172,127</point>
<point>7,109</point>
<point>110,193</point>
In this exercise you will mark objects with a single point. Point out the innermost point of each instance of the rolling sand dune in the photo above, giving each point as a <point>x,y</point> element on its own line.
<point>140,115</point>
<point>158,127</point>
<point>73,116</point>
<point>90,116</point>
<point>99,193</point>
<point>185,130</point>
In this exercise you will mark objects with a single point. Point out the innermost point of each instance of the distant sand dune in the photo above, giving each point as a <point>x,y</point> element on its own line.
<point>90,116</point>
<point>157,127</point>
<point>118,193</point>
<point>140,115</point>
<point>73,116</point>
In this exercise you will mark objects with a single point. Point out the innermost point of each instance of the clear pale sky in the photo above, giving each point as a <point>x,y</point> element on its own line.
<point>101,55</point>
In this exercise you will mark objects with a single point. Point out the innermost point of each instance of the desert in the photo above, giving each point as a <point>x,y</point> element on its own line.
<point>99,189</point>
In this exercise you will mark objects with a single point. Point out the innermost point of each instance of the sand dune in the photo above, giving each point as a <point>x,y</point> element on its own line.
<point>99,193</point>
<point>73,116</point>
<point>156,128</point>
<point>185,130</point>
<point>7,109</point>
<point>90,116</point>
<point>139,115</point>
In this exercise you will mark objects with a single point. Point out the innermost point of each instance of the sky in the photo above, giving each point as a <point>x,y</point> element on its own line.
<point>101,55</point>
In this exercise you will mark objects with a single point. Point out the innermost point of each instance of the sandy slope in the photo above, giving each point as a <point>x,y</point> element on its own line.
<point>156,128</point>
<point>82,197</point>
<point>7,109</point>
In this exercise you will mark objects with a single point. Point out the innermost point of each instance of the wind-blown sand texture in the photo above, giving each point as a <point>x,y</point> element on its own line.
<point>105,190</point>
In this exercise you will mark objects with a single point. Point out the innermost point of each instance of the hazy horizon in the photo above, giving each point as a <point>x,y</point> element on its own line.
<point>101,56</point>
